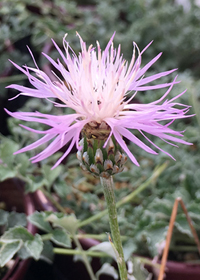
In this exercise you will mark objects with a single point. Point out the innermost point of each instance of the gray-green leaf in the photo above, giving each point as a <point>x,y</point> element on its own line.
<point>108,270</point>
<point>67,222</point>
<point>8,250</point>
<point>16,234</point>
<point>105,247</point>
<point>39,220</point>
<point>61,237</point>
<point>35,246</point>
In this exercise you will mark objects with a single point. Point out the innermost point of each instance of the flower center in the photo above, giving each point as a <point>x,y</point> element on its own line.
<point>96,130</point>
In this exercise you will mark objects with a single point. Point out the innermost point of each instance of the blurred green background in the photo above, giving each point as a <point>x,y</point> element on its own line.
<point>175,28</point>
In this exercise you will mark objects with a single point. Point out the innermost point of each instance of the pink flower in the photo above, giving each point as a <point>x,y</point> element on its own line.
<point>97,86</point>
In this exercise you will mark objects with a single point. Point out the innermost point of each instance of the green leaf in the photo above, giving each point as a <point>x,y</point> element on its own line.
<point>137,270</point>
<point>17,219</point>
<point>39,220</point>
<point>35,246</point>
<point>161,208</point>
<point>182,225</point>
<point>51,175</point>
<point>105,247</point>
<point>6,172</point>
<point>34,183</point>
<point>129,248</point>
<point>23,163</point>
<point>23,253</point>
<point>61,238</point>
<point>15,234</point>
<point>47,252</point>
<point>8,250</point>
<point>3,217</point>
<point>7,149</point>
<point>67,222</point>
<point>108,270</point>
<point>62,189</point>
<point>155,234</point>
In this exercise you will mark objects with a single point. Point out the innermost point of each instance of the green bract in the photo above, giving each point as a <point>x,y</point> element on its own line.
<point>100,161</point>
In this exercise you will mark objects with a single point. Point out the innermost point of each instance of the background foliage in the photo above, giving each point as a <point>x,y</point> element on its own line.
<point>175,31</point>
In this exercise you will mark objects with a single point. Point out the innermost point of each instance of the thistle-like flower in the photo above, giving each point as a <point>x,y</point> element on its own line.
<point>98,86</point>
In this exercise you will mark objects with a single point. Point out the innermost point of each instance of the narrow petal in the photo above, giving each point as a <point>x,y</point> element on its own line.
<point>124,146</point>
<point>126,133</point>
<point>36,144</point>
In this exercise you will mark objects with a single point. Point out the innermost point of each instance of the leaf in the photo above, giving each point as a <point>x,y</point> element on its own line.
<point>23,163</point>
<point>16,234</point>
<point>194,211</point>
<point>8,250</point>
<point>137,270</point>
<point>161,208</point>
<point>51,175</point>
<point>62,189</point>
<point>23,253</point>
<point>35,246</point>
<point>3,217</point>
<point>7,149</point>
<point>16,219</point>
<point>155,234</point>
<point>6,172</point>
<point>129,248</point>
<point>67,222</point>
<point>182,225</point>
<point>108,270</point>
<point>47,252</point>
<point>105,247</point>
<point>39,220</point>
<point>61,238</point>
<point>34,183</point>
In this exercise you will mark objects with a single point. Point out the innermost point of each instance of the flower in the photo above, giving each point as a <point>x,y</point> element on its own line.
<point>99,86</point>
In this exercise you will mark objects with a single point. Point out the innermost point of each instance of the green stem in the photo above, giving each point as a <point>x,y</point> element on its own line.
<point>85,259</point>
<point>112,212</point>
<point>128,198</point>
<point>46,236</point>
<point>101,236</point>
<point>62,251</point>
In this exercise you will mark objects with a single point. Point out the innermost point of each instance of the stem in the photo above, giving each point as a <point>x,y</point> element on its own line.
<point>85,259</point>
<point>112,212</point>
<point>46,236</point>
<point>73,252</point>
<point>62,251</point>
<point>128,198</point>
<point>102,236</point>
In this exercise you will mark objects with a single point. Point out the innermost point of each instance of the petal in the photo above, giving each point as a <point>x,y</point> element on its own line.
<point>124,146</point>
<point>126,133</point>
<point>36,144</point>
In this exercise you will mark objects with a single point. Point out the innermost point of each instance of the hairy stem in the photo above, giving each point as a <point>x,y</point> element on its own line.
<point>112,212</point>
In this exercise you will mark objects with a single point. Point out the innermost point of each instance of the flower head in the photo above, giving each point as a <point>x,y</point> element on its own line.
<point>98,86</point>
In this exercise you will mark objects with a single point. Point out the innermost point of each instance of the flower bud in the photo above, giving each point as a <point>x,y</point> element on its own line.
<point>101,162</point>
